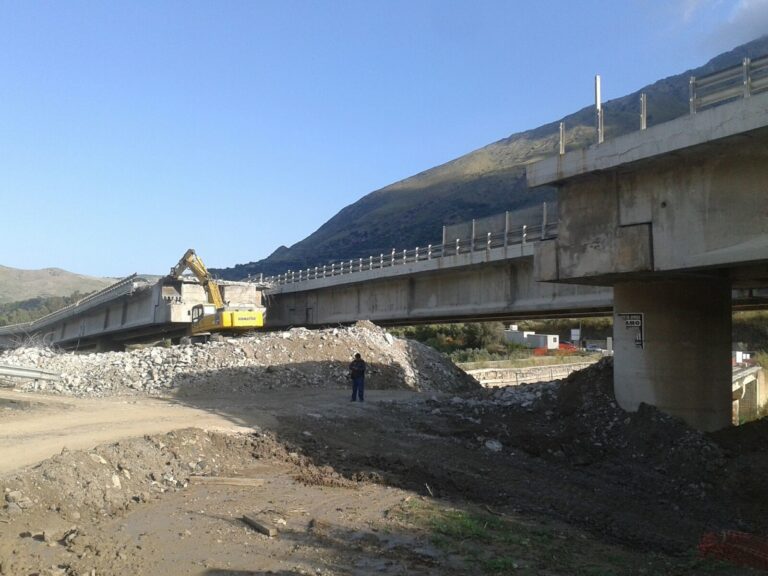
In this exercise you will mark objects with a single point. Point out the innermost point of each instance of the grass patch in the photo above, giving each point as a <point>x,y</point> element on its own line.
<point>502,544</point>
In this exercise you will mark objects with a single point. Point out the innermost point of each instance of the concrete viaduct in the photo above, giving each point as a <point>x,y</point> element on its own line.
<point>665,228</point>
<point>483,270</point>
<point>668,227</point>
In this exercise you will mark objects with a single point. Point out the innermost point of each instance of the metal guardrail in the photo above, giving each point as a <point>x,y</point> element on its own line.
<point>751,77</point>
<point>483,243</point>
<point>28,373</point>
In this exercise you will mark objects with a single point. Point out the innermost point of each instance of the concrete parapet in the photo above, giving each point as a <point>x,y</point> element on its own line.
<point>682,134</point>
<point>493,377</point>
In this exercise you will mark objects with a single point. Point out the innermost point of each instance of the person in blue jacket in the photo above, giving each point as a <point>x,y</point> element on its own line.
<point>357,374</point>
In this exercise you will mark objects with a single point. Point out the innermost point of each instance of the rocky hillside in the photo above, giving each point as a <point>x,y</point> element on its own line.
<point>487,181</point>
<point>17,284</point>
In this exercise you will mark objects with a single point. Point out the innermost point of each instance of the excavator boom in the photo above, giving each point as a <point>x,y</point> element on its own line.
<point>192,261</point>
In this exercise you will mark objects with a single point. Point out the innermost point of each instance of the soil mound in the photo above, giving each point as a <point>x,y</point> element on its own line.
<point>57,509</point>
<point>113,477</point>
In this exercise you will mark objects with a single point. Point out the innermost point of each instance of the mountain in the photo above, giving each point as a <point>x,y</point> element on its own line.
<point>16,284</point>
<point>487,181</point>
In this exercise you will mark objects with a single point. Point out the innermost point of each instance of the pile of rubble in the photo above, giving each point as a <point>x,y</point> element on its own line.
<point>578,420</point>
<point>526,396</point>
<point>294,358</point>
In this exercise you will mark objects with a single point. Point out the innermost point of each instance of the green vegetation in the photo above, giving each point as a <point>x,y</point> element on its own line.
<point>478,342</point>
<point>470,342</point>
<point>493,543</point>
<point>484,341</point>
<point>512,353</point>
<point>448,338</point>
<point>591,328</point>
<point>28,310</point>
<point>17,284</point>
<point>750,331</point>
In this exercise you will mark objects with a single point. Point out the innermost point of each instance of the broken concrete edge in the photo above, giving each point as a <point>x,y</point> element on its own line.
<point>260,526</point>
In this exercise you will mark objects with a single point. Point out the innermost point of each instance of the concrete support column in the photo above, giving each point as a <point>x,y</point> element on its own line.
<point>672,348</point>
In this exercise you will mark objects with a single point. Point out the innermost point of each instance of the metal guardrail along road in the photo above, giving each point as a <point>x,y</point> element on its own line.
<point>28,373</point>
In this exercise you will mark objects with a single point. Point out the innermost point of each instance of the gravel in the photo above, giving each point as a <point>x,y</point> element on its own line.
<point>293,358</point>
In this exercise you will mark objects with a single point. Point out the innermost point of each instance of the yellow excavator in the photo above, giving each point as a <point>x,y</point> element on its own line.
<point>215,317</point>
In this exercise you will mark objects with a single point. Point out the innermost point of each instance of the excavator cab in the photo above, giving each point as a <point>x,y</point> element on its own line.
<point>200,311</point>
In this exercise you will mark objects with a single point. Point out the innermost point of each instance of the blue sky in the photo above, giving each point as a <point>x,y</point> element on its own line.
<point>131,131</point>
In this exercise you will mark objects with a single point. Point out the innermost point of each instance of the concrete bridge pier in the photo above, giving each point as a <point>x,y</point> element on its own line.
<point>672,347</point>
<point>672,217</point>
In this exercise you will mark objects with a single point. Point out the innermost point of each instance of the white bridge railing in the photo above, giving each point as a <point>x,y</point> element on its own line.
<point>741,81</point>
<point>477,243</point>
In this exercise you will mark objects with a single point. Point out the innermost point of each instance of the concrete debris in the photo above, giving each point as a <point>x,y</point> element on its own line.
<point>493,445</point>
<point>13,496</point>
<point>290,359</point>
<point>577,420</point>
<point>259,525</point>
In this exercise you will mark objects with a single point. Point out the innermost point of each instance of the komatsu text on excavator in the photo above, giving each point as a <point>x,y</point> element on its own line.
<point>216,316</point>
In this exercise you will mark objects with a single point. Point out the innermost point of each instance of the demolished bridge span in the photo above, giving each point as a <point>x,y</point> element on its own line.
<point>134,309</point>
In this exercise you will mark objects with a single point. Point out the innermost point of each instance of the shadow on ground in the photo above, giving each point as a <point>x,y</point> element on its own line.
<point>511,459</point>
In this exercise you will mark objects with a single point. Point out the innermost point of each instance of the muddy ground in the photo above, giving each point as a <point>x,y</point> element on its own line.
<point>549,479</point>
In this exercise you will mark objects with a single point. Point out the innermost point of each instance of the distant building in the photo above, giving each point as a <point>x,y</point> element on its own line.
<point>531,339</point>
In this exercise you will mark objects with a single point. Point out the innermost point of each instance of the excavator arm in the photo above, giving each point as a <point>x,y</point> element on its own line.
<point>192,261</point>
<point>216,317</point>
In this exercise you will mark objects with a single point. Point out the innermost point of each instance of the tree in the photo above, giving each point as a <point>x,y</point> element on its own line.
<point>483,334</point>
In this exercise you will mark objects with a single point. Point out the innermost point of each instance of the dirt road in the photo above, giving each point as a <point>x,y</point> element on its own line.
<point>34,427</point>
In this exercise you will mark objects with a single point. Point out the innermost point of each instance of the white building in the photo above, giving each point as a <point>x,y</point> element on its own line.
<point>531,339</point>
